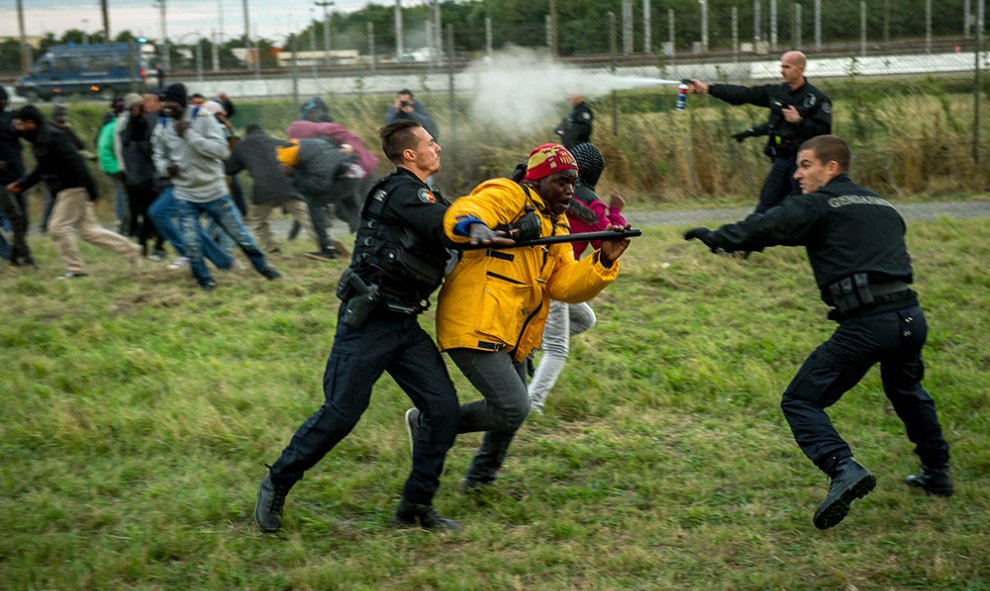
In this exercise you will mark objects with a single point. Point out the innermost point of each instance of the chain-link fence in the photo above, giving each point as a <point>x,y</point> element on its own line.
<point>495,73</point>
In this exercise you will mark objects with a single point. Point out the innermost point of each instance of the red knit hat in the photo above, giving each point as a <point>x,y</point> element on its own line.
<point>549,159</point>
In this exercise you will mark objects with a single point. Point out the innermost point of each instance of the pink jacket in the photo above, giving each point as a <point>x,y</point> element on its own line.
<point>340,134</point>
<point>606,216</point>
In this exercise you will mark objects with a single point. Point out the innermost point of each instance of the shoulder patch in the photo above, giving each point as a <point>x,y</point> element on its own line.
<point>827,107</point>
<point>426,197</point>
<point>586,115</point>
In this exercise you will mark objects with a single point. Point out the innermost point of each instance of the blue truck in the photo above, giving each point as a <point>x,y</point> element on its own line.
<point>101,69</point>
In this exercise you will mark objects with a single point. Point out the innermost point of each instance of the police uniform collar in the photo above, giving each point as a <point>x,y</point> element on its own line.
<point>406,171</point>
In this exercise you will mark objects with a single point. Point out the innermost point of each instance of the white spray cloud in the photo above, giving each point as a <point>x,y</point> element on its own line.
<point>520,87</point>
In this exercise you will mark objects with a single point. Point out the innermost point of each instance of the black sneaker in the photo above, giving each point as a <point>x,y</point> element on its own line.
<point>424,516</point>
<point>327,254</point>
<point>850,482</point>
<point>934,481</point>
<point>208,285</point>
<point>412,426</point>
<point>270,274</point>
<point>268,508</point>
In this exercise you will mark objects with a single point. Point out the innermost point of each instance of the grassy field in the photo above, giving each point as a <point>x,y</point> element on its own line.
<point>138,414</point>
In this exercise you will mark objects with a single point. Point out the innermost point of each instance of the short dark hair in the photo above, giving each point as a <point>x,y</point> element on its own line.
<point>396,137</point>
<point>29,113</point>
<point>406,91</point>
<point>828,148</point>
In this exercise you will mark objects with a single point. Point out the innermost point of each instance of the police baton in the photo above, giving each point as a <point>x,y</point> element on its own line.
<point>580,237</point>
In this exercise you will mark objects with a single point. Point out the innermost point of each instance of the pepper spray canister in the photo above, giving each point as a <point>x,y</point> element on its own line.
<point>682,92</point>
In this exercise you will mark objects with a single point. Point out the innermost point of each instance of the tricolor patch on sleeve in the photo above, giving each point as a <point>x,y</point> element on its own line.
<point>426,197</point>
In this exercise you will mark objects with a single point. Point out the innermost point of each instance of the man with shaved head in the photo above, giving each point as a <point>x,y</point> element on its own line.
<point>798,112</point>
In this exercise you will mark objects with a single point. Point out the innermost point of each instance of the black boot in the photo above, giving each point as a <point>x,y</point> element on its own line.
<point>425,516</point>
<point>268,509</point>
<point>935,481</point>
<point>850,482</point>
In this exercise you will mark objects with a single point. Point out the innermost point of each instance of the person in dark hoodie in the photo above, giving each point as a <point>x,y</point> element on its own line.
<point>13,205</point>
<point>139,173</point>
<point>272,187</point>
<point>75,192</point>
<point>319,169</point>
<point>585,213</point>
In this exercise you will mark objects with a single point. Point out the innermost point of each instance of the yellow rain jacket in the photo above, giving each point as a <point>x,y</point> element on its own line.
<point>498,300</point>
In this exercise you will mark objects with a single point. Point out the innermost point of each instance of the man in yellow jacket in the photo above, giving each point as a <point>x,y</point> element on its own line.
<point>492,307</point>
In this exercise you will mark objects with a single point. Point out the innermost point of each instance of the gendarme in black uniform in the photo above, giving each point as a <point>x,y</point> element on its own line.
<point>398,261</point>
<point>784,137</point>
<point>577,126</point>
<point>855,243</point>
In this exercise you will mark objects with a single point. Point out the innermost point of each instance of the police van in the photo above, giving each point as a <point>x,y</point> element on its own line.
<point>101,69</point>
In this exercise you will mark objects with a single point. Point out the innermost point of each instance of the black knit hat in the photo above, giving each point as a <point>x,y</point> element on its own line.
<point>590,161</point>
<point>176,92</point>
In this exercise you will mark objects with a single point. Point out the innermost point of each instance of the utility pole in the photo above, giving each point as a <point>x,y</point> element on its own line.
<point>398,30</point>
<point>553,28</point>
<point>164,59</point>
<point>326,4</point>
<point>106,21</point>
<point>25,61</point>
<point>252,50</point>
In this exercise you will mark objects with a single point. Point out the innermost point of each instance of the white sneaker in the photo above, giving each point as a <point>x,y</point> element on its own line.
<point>179,263</point>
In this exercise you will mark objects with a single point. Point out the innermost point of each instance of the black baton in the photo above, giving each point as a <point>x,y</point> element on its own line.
<point>606,235</point>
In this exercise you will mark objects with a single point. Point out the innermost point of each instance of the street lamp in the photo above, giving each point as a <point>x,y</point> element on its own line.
<point>85,31</point>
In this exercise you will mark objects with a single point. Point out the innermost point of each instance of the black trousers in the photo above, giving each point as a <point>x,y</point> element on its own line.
<point>779,184</point>
<point>14,206</point>
<point>387,342</point>
<point>893,339</point>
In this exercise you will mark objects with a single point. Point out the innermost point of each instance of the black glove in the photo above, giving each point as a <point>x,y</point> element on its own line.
<point>739,137</point>
<point>480,233</point>
<point>703,234</point>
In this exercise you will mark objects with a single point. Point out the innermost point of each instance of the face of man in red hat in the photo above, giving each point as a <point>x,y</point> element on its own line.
<point>553,172</point>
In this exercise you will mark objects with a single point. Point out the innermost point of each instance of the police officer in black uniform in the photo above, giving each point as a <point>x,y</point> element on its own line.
<point>576,128</point>
<point>399,260</point>
<point>855,243</point>
<point>798,111</point>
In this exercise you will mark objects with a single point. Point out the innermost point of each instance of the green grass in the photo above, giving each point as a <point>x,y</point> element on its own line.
<point>138,414</point>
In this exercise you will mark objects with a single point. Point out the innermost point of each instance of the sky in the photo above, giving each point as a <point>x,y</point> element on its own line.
<point>269,18</point>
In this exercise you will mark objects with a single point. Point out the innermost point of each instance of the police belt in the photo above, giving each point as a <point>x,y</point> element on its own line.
<point>856,294</point>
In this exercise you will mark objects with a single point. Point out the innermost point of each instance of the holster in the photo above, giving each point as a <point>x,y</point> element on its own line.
<point>360,299</point>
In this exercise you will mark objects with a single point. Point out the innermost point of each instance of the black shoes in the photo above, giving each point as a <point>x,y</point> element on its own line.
<point>327,254</point>
<point>424,516</point>
<point>934,481</point>
<point>270,274</point>
<point>268,509</point>
<point>850,482</point>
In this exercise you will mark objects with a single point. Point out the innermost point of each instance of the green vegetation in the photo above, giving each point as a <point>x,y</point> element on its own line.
<point>139,413</point>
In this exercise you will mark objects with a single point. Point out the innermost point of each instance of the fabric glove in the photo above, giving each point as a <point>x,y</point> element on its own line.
<point>480,233</point>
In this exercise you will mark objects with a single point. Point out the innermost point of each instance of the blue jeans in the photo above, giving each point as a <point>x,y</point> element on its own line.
<point>222,211</point>
<point>163,212</point>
